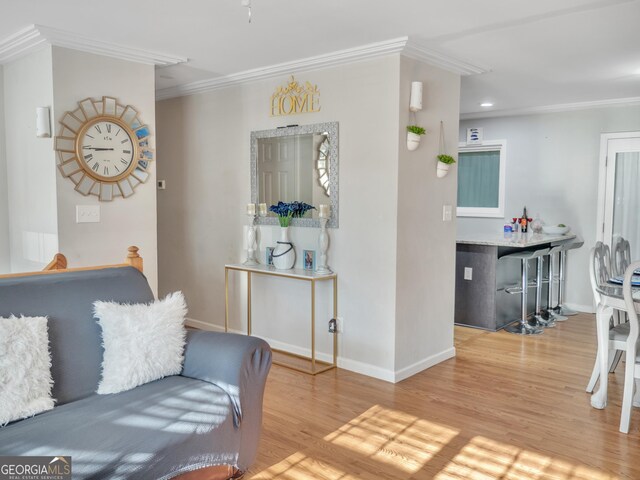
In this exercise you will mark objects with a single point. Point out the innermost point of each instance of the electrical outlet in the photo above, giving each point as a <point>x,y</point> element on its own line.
<point>332,326</point>
<point>87,213</point>
<point>468,273</point>
<point>447,213</point>
<point>162,184</point>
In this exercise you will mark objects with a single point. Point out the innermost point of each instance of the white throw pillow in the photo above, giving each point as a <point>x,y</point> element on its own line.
<point>142,342</point>
<point>25,368</point>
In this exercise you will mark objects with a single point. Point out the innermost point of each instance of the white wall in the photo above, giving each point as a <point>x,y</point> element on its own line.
<point>552,168</point>
<point>426,245</point>
<point>203,152</point>
<point>31,170</point>
<point>5,259</point>
<point>123,222</point>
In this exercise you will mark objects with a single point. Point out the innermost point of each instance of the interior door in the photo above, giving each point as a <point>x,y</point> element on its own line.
<point>279,170</point>
<point>622,193</point>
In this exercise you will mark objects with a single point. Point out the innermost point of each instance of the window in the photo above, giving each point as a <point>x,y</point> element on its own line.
<point>481,179</point>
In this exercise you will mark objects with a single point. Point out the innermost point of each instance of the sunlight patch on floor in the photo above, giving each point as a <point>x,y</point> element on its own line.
<point>402,446</point>
<point>485,459</point>
<point>393,437</point>
<point>300,467</point>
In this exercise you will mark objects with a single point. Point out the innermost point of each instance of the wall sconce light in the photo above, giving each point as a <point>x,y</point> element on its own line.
<point>415,104</point>
<point>43,123</point>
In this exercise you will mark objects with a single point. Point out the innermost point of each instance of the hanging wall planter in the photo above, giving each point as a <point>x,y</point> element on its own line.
<point>414,132</point>
<point>444,160</point>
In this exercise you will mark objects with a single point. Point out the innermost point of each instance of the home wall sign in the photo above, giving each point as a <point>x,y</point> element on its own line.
<point>294,98</point>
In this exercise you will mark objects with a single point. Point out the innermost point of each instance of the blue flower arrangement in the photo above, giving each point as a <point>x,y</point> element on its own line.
<point>287,211</point>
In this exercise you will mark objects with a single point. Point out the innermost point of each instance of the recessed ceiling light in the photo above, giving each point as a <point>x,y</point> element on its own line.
<point>486,104</point>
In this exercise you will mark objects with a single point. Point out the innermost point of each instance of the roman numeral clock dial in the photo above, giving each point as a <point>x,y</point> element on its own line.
<point>104,148</point>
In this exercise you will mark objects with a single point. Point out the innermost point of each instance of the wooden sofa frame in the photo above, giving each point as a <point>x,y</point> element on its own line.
<point>59,264</point>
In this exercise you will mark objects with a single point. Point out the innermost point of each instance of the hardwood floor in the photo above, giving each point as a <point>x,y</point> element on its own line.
<point>506,407</point>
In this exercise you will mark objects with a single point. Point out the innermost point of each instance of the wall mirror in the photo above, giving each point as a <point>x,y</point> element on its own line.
<point>296,164</point>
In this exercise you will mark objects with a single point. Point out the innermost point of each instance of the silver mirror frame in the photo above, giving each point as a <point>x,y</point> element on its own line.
<point>331,128</point>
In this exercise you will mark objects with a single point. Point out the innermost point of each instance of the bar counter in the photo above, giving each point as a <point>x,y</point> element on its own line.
<point>482,301</point>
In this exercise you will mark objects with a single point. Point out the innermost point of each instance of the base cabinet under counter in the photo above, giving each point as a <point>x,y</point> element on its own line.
<point>483,301</point>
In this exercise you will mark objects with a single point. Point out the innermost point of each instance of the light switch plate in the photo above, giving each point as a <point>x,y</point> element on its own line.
<point>468,273</point>
<point>447,213</point>
<point>87,213</point>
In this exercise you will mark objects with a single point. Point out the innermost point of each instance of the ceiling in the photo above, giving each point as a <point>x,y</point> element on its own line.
<point>539,53</point>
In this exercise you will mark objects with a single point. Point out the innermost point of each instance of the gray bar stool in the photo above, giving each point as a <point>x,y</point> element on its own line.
<point>562,309</point>
<point>523,327</point>
<point>540,317</point>
<point>549,313</point>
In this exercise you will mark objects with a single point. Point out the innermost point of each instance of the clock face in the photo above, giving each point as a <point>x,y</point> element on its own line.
<point>106,149</point>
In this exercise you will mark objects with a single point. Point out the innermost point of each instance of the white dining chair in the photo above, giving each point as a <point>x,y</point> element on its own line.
<point>620,260</point>
<point>599,274</point>
<point>620,256</point>
<point>632,360</point>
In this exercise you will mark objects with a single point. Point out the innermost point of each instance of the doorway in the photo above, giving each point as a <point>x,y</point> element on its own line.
<point>619,190</point>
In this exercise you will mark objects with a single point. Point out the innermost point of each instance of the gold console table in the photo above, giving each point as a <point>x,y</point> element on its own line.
<point>315,366</point>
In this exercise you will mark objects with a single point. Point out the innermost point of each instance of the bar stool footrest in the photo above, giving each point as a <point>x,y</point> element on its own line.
<point>520,328</point>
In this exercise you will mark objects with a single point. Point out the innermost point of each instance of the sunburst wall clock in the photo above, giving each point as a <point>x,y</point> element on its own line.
<point>103,148</point>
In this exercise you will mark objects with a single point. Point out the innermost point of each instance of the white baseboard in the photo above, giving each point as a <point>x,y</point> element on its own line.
<point>423,364</point>
<point>190,322</point>
<point>345,363</point>
<point>581,308</point>
<point>325,357</point>
<point>296,349</point>
<point>366,369</point>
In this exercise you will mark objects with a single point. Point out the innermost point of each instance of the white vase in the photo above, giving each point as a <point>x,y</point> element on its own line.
<point>413,141</point>
<point>442,169</point>
<point>284,255</point>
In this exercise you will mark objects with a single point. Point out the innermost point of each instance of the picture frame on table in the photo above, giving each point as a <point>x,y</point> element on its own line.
<point>309,259</point>
<point>268,255</point>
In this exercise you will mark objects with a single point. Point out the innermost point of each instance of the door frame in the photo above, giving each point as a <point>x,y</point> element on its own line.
<point>602,176</point>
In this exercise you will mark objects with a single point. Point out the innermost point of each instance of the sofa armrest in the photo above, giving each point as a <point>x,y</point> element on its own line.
<point>238,364</point>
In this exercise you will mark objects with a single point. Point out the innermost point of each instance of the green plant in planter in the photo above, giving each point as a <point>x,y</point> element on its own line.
<point>446,159</point>
<point>416,129</point>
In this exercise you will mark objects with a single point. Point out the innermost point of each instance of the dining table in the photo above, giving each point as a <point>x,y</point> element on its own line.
<point>611,298</point>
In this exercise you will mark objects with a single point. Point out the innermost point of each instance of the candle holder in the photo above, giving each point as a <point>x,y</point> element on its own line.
<point>251,241</point>
<point>323,244</point>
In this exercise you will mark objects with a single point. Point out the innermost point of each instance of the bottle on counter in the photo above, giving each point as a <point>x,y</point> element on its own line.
<point>524,221</point>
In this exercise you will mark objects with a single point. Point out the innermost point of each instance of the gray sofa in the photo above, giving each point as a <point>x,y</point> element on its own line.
<point>209,416</point>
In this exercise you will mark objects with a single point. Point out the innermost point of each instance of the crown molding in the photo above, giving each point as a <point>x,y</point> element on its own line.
<point>402,45</point>
<point>34,36</point>
<point>20,43</point>
<point>333,59</point>
<point>561,107</point>
<point>438,59</point>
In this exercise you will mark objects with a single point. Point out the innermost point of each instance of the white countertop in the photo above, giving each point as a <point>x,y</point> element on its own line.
<point>514,240</point>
